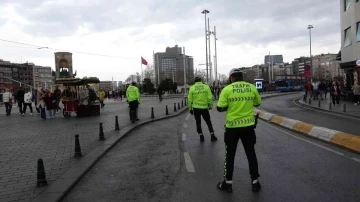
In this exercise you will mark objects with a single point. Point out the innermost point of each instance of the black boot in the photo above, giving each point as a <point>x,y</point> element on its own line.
<point>256,186</point>
<point>213,137</point>
<point>224,186</point>
<point>202,138</point>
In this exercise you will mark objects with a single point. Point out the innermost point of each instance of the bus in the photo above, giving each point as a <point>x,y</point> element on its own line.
<point>288,85</point>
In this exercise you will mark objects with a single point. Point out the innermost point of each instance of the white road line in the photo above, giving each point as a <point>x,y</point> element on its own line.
<point>187,117</point>
<point>308,141</point>
<point>188,163</point>
<point>332,113</point>
<point>356,159</point>
<point>183,137</point>
<point>185,125</point>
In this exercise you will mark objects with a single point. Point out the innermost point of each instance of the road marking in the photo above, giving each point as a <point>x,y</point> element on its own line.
<point>188,163</point>
<point>187,117</point>
<point>183,137</point>
<point>356,159</point>
<point>308,141</point>
<point>332,113</point>
<point>185,125</point>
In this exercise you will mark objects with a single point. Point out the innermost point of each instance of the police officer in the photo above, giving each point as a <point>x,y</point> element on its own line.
<point>133,98</point>
<point>238,100</point>
<point>200,102</point>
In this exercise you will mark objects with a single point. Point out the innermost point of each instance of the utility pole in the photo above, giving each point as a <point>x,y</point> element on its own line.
<point>210,64</point>
<point>216,57</point>
<point>207,64</point>
<point>184,72</point>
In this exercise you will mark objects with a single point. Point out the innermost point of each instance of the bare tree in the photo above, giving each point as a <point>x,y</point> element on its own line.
<point>138,77</point>
<point>149,73</point>
<point>224,79</point>
<point>130,78</point>
<point>201,73</point>
<point>250,75</point>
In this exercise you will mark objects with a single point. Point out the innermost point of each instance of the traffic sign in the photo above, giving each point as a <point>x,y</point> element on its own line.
<point>258,85</point>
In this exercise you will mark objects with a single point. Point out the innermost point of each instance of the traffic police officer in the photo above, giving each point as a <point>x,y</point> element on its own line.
<point>238,100</point>
<point>200,102</point>
<point>133,98</point>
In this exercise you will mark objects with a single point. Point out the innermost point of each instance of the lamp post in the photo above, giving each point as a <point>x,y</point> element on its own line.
<point>311,65</point>
<point>206,32</point>
<point>184,72</point>
<point>210,64</point>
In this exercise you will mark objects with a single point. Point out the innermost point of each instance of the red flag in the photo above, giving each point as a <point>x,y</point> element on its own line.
<point>143,61</point>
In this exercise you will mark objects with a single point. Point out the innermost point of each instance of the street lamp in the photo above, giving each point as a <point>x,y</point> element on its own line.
<point>206,33</point>
<point>215,57</point>
<point>312,69</point>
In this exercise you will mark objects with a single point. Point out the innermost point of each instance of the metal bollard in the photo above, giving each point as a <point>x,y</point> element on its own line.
<point>117,123</point>
<point>185,102</point>
<point>182,103</point>
<point>304,98</point>
<point>152,112</point>
<point>167,111</point>
<point>101,132</point>
<point>319,104</point>
<point>344,108</point>
<point>41,176</point>
<point>174,107</point>
<point>77,146</point>
<point>330,106</point>
<point>309,101</point>
<point>178,106</point>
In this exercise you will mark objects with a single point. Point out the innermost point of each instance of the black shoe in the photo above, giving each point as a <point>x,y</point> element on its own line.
<point>224,186</point>
<point>256,186</point>
<point>213,138</point>
<point>202,138</point>
<point>137,119</point>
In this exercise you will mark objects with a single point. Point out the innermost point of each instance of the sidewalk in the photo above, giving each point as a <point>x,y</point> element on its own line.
<point>326,105</point>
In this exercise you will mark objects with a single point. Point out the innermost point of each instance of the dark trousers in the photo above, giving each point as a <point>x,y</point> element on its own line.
<point>337,98</point>
<point>30,106</point>
<point>356,98</point>
<point>102,103</point>
<point>160,97</point>
<point>21,105</point>
<point>248,139</point>
<point>8,107</point>
<point>133,110</point>
<point>206,116</point>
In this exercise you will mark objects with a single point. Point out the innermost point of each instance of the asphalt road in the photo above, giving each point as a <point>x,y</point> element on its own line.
<point>285,106</point>
<point>149,165</point>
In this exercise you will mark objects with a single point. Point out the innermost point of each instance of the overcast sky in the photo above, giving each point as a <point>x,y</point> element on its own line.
<point>246,30</point>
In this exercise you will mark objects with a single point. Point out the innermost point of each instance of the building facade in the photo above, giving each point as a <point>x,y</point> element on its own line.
<point>106,85</point>
<point>274,59</point>
<point>326,66</point>
<point>170,65</point>
<point>42,77</point>
<point>350,38</point>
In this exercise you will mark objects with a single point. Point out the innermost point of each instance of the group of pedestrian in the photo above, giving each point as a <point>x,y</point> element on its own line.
<point>237,100</point>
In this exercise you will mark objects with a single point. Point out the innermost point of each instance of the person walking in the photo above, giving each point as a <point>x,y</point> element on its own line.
<point>20,97</point>
<point>57,94</point>
<point>335,93</point>
<point>41,95</point>
<point>7,99</point>
<point>200,101</point>
<point>238,100</point>
<point>50,101</point>
<point>102,97</point>
<point>28,102</point>
<point>159,91</point>
<point>133,98</point>
<point>356,91</point>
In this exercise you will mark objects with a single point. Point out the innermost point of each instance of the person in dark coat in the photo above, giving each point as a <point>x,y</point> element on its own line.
<point>335,93</point>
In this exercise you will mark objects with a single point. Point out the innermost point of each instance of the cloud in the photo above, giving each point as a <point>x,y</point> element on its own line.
<point>246,30</point>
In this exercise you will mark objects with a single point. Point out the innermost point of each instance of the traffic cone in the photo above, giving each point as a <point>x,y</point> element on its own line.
<point>77,146</point>
<point>41,176</point>
<point>101,132</point>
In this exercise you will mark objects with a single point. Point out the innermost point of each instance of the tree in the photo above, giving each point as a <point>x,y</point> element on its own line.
<point>150,73</point>
<point>249,76</point>
<point>168,85</point>
<point>148,87</point>
<point>200,73</point>
<point>138,78</point>
<point>131,78</point>
<point>224,79</point>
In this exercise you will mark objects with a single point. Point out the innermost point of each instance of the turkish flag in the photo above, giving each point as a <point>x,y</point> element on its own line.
<point>143,61</point>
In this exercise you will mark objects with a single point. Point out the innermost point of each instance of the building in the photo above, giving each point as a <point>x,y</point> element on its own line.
<point>350,38</point>
<point>170,65</point>
<point>14,74</point>
<point>106,85</point>
<point>274,59</point>
<point>114,85</point>
<point>326,66</point>
<point>299,65</point>
<point>42,77</point>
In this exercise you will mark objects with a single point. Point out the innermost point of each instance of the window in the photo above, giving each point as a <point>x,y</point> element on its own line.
<point>347,4</point>
<point>358,32</point>
<point>347,41</point>
<point>15,69</point>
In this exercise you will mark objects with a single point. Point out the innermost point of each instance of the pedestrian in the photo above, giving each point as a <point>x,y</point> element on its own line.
<point>8,99</point>
<point>315,92</point>
<point>133,98</point>
<point>356,91</point>
<point>121,94</point>
<point>322,88</point>
<point>102,97</point>
<point>50,101</point>
<point>41,102</point>
<point>238,100</point>
<point>57,94</point>
<point>20,97</point>
<point>28,102</point>
<point>159,91</point>
<point>34,100</point>
<point>335,93</point>
<point>91,95</point>
<point>200,101</point>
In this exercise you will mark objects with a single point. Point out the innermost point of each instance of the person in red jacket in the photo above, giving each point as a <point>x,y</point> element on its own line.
<point>50,102</point>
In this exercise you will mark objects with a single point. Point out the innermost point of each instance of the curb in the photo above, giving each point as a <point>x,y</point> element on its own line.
<point>318,108</point>
<point>63,184</point>
<point>340,139</point>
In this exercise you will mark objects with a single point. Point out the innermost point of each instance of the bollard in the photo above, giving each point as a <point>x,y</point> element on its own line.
<point>344,108</point>
<point>77,146</point>
<point>167,111</point>
<point>330,106</point>
<point>41,176</point>
<point>101,132</point>
<point>174,107</point>
<point>179,106</point>
<point>319,104</point>
<point>304,98</point>
<point>185,102</point>
<point>117,123</point>
<point>182,103</point>
<point>309,101</point>
<point>152,112</point>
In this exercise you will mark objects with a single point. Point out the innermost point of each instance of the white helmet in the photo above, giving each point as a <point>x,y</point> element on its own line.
<point>235,71</point>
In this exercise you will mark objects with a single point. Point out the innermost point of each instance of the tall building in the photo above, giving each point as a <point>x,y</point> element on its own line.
<point>350,38</point>
<point>106,85</point>
<point>326,66</point>
<point>42,77</point>
<point>170,65</point>
<point>274,59</point>
<point>299,65</point>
